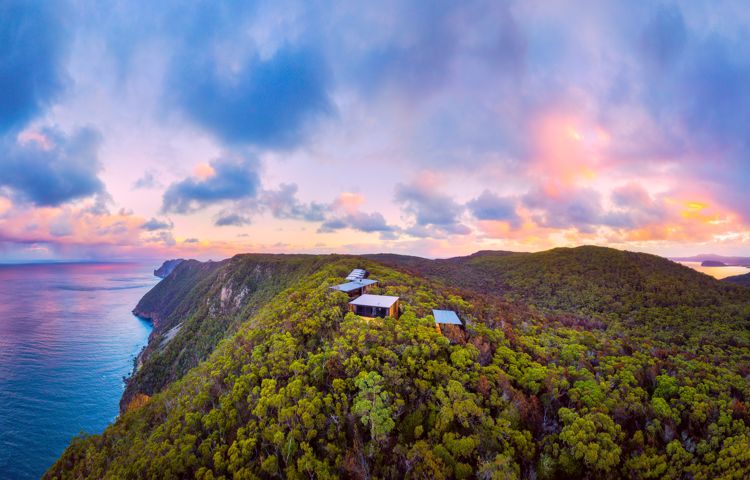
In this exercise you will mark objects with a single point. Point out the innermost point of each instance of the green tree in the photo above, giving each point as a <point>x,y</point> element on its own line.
<point>372,405</point>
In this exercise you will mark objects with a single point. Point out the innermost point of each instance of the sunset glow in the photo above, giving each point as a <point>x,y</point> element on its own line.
<point>188,131</point>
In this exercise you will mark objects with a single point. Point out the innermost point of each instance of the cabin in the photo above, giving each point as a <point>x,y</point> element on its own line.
<point>355,288</point>
<point>357,274</point>
<point>373,306</point>
<point>446,321</point>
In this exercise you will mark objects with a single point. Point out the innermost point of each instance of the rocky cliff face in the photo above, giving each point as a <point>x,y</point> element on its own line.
<point>167,267</point>
<point>198,305</point>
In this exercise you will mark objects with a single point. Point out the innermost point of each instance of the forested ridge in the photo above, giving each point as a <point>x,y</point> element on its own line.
<point>576,363</point>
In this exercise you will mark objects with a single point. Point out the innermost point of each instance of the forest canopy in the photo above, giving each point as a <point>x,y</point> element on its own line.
<point>583,363</point>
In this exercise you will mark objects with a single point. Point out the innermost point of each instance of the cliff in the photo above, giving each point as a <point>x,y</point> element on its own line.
<point>167,267</point>
<point>198,305</point>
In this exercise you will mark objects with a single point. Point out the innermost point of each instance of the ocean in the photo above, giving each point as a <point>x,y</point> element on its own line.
<point>717,272</point>
<point>67,339</point>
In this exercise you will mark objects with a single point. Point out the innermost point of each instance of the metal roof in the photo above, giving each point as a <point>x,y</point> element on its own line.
<point>357,274</point>
<point>368,300</point>
<point>351,286</point>
<point>446,317</point>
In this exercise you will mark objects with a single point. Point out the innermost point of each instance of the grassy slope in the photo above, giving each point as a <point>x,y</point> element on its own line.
<point>303,390</point>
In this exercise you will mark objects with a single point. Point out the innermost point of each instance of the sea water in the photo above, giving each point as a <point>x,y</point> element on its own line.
<point>717,272</point>
<point>67,339</point>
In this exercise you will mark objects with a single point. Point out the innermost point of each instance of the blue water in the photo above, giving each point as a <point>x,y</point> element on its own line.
<point>67,339</point>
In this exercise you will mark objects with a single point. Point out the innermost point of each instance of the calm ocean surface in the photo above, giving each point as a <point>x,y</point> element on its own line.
<point>67,338</point>
<point>717,272</point>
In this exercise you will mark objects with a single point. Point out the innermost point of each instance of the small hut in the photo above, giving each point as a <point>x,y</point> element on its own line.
<point>355,288</point>
<point>373,306</point>
<point>357,274</point>
<point>446,321</point>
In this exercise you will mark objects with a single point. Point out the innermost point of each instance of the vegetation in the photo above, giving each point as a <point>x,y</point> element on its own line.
<point>198,305</point>
<point>743,279</point>
<point>570,370</point>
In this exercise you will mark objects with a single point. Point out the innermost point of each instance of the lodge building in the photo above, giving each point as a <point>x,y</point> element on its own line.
<point>375,306</point>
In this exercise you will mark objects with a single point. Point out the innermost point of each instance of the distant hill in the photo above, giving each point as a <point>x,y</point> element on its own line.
<point>167,267</point>
<point>743,279</point>
<point>710,257</point>
<point>584,279</point>
<point>713,263</point>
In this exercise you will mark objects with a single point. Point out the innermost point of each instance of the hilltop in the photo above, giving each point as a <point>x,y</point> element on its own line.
<point>587,279</point>
<point>575,363</point>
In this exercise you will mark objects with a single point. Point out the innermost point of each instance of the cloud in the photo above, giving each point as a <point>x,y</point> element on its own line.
<point>162,237</point>
<point>147,181</point>
<point>362,221</point>
<point>232,219</point>
<point>433,212</point>
<point>260,101</point>
<point>191,240</point>
<point>283,203</point>
<point>346,214</point>
<point>48,168</point>
<point>580,209</point>
<point>419,49</point>
<point>33,45</point>
<point>632,207</point>
<point>332,225</point>
<point>153,224</point>
<point>61,227</point>
<point>664,36</point>
<point>231,178</point>
<point>489,206</point>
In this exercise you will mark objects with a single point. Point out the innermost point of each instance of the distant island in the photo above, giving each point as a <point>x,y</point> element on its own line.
<point>713,260</point>
<point>713,263</point>
<point>167,267</point>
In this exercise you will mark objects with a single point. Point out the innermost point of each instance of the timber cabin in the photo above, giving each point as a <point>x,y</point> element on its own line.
<point>446,321</point>
<point>375,306</point>
<point>355,288</point>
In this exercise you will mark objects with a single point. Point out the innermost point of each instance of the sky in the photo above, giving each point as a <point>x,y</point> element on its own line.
<point>146,130</point>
